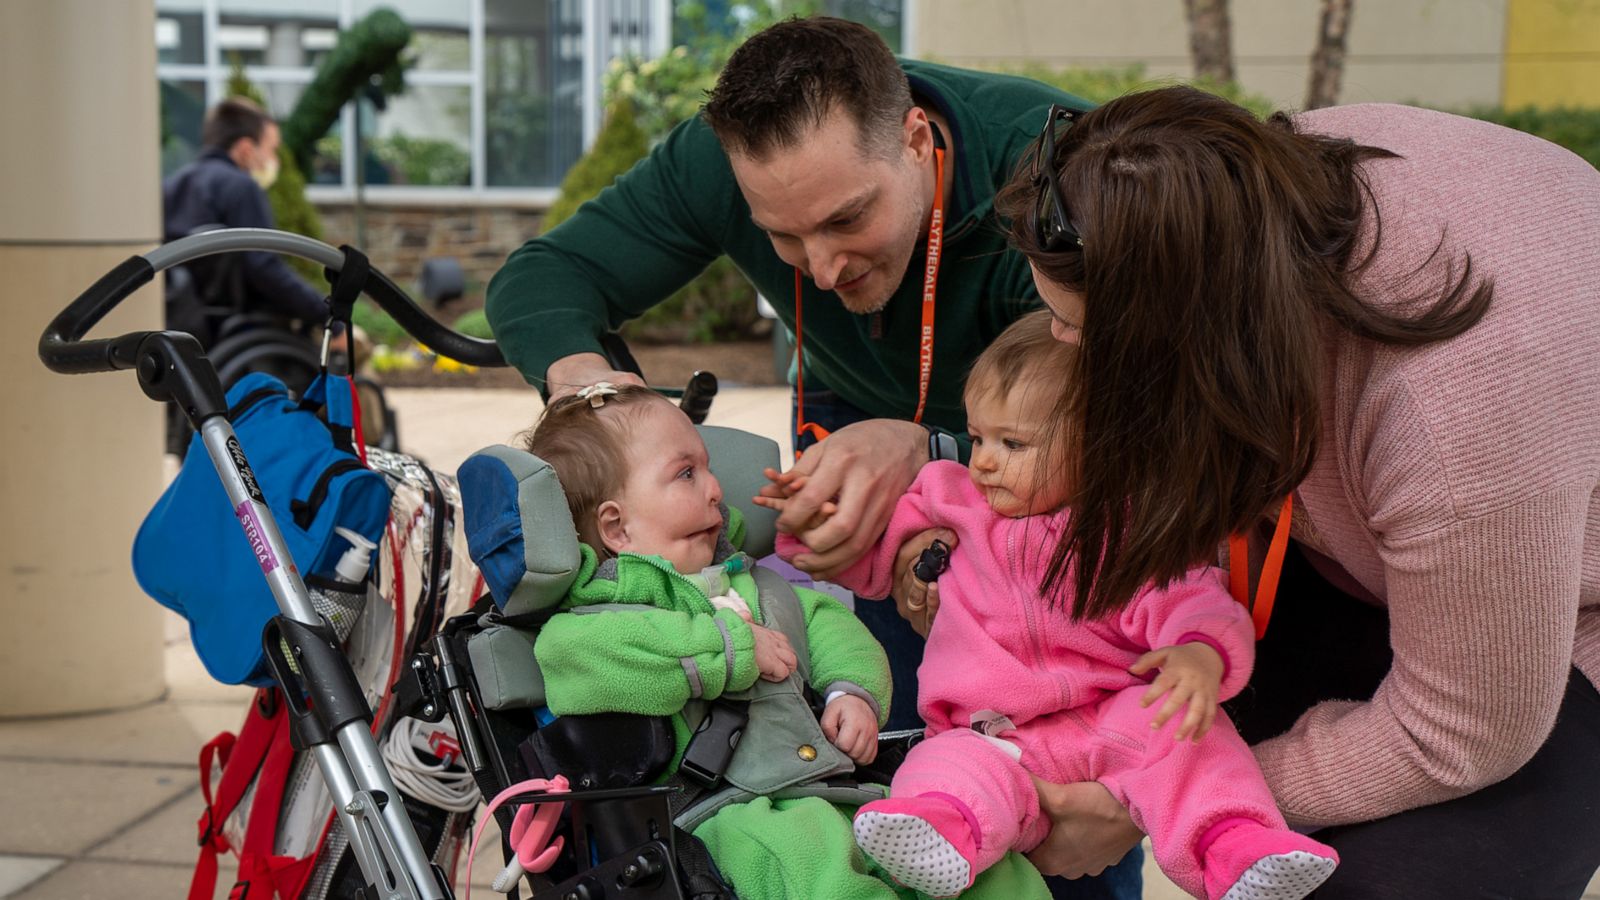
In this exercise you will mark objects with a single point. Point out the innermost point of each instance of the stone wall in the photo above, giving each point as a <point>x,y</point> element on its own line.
<point>399,238</point>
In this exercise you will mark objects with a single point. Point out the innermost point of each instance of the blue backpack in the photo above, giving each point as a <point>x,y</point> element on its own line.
<point>192,557</point>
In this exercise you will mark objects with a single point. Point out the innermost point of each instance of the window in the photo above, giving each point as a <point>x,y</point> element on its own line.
<point>501,95</point>
<point>533,90</point>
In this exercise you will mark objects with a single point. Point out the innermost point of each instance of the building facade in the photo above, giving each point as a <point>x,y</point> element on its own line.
<point>504,95</point>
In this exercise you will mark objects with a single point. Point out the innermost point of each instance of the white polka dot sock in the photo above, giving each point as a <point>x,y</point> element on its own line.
<point>913,852</point>
<point>1283,876</point>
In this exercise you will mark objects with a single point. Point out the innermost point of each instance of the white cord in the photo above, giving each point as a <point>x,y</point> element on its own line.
<point>447,786</point>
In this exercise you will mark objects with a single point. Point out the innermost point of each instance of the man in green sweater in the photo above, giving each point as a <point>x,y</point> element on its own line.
<point>816,166</point>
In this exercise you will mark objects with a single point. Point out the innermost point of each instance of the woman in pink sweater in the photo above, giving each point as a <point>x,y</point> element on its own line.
<point>1012,688</point>
<point>1389,318</point>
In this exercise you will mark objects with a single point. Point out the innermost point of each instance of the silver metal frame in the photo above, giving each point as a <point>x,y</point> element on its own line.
<point>386,846</point>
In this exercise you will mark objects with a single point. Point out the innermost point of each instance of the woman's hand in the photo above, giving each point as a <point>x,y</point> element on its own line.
<point>918,601</point>
<point>1191,675</point>
<point>1090,831</point>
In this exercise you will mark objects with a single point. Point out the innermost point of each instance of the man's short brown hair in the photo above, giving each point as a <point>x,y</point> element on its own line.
<point>786,80</point>
<point>231,120</point>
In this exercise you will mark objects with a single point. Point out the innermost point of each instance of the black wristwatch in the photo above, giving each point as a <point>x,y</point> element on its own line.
<point>941,445</point>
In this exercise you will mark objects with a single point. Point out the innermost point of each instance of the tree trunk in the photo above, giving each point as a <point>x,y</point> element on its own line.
<point>1327,60</point>
<point>1210,39</point>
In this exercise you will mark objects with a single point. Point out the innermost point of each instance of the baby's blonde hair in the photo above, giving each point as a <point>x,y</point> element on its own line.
<point>1025,355</point>
<point>588,449</point>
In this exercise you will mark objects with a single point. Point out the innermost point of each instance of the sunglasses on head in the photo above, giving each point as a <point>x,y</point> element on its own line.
<point>1051,227</point>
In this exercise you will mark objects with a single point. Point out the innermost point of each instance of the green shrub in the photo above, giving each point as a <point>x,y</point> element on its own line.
<point>474,324</point>
<point>378,325</point>
<point>616,148</point>
<point>423,160</point>
<point>1577,130</point>
<point>291,211</point>
<point>719,305</point>
<point>646,100</point>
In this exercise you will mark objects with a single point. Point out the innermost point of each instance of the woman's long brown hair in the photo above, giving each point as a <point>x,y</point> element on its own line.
<point>1217,251</point>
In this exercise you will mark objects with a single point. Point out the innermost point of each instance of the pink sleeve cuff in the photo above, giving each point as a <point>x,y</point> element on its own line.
<point>1209,641</point>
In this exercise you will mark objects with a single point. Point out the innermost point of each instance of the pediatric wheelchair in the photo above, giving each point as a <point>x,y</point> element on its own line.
<point>624,832</point>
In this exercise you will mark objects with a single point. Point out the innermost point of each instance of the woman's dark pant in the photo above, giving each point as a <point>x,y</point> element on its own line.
<point>1533,836</point>
<point>1125,880</point>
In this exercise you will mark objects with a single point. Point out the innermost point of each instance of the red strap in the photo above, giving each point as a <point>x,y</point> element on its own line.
<point>240,759</point>
<point>355,421</point>
<point>267,877</point>
<point>263,825</point>
<point>1271,569</point>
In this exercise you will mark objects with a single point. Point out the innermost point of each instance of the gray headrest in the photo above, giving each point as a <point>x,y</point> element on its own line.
<point>520,533</point>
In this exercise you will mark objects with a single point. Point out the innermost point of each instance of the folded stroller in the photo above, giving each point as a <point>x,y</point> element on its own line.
<point>323,704</point>
<point>623,831</point>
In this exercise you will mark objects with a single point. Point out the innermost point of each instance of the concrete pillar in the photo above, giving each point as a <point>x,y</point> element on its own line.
<point>79,192</point>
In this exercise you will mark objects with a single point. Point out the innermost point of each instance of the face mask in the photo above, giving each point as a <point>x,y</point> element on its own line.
<point>266,173</point>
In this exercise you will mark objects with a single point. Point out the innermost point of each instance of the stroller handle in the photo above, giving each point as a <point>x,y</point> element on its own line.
<point>62,348</point>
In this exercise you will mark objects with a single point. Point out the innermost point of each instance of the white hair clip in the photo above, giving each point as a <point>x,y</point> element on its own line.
<point>597,393</point>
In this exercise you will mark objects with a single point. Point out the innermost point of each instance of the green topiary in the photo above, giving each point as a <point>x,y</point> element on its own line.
<point>368,53</point>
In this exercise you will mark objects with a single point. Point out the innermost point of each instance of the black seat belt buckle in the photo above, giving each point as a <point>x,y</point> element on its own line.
<point>711,746</point>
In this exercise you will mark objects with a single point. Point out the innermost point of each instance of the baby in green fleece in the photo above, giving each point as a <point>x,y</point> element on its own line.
<point>653,532</point>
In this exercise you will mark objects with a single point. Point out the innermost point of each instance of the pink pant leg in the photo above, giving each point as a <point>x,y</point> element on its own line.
<point>1174,790</point>
<point>996,790</point>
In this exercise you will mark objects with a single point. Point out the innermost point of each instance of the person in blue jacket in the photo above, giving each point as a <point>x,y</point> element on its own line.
<point>226,186</point>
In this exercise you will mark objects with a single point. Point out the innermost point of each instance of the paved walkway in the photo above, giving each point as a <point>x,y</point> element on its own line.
<point>105,805</point>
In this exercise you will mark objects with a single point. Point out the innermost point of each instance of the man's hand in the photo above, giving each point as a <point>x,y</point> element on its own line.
<point>917,601</point>
<point>775,658</point>
<point>1191,675</point>
<point>570,374</point>
<point>787,485</point>
<point>849,723</point>
<point>1090,831</point>
<point>863,469</point>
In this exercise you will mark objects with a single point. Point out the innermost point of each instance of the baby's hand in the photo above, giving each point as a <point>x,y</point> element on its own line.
<point>782,486</point>
<point>1192,672</point>
<point>849,723</point>
<point>775,658</point>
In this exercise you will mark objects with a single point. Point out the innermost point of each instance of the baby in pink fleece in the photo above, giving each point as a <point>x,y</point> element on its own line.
<point>1012,687</point>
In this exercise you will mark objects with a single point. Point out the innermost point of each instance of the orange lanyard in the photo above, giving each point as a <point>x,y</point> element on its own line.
<point>1271,568</point>
<point>930,281</point>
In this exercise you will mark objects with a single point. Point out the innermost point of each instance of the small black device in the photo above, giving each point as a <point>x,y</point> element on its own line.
<point>932,562</point>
